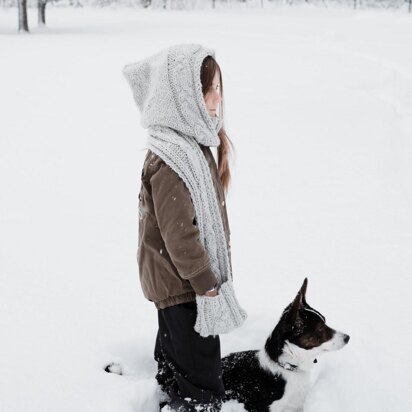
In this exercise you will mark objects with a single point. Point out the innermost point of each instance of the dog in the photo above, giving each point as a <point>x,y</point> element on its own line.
<point>276,378</point>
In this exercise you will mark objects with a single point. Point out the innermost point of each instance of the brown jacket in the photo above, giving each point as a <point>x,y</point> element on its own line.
<point>173,263</point>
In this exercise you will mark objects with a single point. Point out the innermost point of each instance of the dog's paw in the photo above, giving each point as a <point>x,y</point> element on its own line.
<point>114,367</point>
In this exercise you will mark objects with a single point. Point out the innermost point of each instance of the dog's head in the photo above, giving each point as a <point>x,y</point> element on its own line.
<point>302,334</point>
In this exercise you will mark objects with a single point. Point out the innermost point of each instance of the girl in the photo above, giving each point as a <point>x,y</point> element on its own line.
<point>184,238</point>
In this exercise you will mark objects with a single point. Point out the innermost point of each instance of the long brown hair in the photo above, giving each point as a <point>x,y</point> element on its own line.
<point>207,73</point>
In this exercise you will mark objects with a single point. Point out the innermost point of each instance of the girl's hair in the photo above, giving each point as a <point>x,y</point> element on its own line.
<point>207,73</point>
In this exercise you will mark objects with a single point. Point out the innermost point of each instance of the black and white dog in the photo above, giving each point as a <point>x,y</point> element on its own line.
<point>276,378</point>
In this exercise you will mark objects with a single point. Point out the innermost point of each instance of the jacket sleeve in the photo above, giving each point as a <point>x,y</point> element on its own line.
<point>175,215</point>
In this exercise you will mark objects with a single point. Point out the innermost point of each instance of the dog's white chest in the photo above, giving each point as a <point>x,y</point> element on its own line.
<point>297,385</point>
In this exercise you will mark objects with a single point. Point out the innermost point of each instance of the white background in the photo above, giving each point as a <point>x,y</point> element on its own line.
<point>318,104</point>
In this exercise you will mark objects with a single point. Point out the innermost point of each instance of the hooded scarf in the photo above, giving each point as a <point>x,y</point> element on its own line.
<point>168,92</point>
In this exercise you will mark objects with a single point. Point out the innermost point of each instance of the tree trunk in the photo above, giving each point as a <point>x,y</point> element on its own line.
<point>41,12</point>
<point>23,25</point>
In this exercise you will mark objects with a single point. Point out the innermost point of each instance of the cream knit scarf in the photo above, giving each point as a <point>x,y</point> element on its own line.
<point>220,314</point>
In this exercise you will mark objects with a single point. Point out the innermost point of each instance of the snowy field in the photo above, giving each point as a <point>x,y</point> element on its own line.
<point>318,105</point>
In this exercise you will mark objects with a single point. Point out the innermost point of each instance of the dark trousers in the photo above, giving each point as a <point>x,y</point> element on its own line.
<point>189,366</point>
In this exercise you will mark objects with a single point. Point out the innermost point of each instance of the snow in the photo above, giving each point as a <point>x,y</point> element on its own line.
<point>318,104</point>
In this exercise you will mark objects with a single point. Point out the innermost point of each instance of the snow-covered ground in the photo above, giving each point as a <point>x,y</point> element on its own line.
<point>318,105</point>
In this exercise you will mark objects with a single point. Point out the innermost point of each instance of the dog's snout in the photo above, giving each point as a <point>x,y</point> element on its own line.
<point>346,338</point>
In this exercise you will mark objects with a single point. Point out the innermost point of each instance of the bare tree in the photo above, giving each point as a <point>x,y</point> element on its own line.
<point>41,12</point>
<point>22,10</point>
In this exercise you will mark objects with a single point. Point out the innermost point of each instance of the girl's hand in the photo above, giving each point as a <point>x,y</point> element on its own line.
<point>212,293</point>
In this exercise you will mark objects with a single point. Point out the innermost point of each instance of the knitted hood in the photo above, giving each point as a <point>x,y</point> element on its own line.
<point>168,92</point>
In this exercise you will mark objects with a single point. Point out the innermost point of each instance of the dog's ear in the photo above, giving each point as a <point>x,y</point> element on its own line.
<point>294,308</point>
<point>303,290</point>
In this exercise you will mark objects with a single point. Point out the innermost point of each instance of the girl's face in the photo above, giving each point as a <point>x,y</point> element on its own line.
<point>212,96</point>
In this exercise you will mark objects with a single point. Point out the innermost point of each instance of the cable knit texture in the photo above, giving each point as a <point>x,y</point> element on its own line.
<point>168,92</point>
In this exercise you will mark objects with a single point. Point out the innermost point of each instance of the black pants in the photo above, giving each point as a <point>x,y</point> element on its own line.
<point>189,366</point>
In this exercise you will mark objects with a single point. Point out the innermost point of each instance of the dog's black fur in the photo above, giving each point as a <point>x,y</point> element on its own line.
<point>248,383</point>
